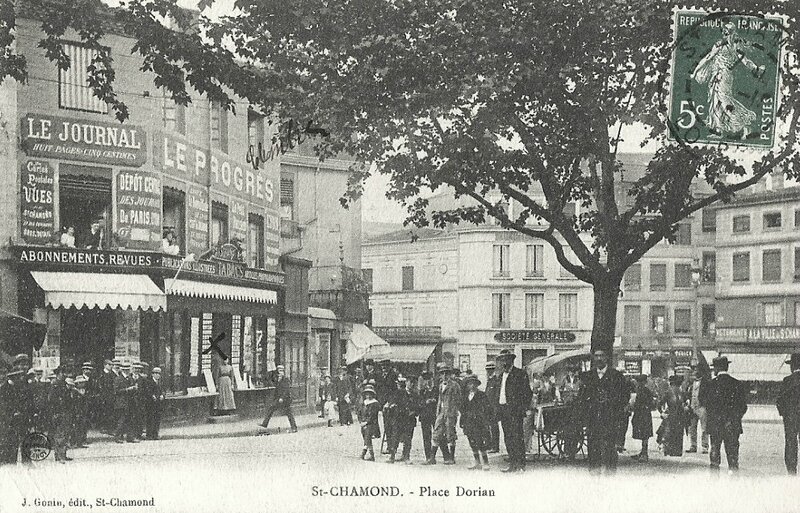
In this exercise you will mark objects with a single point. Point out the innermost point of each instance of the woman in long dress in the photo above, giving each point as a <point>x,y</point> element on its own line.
<point>224,403</point>
<point>674,415</point>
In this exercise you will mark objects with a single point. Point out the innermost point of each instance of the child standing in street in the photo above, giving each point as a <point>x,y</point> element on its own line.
<point>475,421</point>
<point>368,417</point>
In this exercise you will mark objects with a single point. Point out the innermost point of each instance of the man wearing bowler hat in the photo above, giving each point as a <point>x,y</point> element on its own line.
<point>725,398</point>
<point>513,400</point>
<point>493,394</point>
<point>788,403</point>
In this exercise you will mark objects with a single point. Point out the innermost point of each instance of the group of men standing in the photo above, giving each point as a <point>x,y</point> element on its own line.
<point>123,401</point>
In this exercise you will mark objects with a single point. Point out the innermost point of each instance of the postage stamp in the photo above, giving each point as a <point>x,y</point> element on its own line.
<point>724,86</point>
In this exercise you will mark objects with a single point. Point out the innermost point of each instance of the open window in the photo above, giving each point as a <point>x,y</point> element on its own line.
<point>219,223</point>
<point>85,211</point>
<point>174,216</point>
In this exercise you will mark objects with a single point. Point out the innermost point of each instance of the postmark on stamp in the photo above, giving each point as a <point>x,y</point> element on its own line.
<point>724,86</point>
<point>36,446</point>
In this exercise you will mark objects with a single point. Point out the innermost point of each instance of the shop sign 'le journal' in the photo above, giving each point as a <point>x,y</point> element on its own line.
<point>113,144</point>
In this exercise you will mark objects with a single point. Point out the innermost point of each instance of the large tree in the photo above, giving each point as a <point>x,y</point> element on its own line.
<point>527,99</point>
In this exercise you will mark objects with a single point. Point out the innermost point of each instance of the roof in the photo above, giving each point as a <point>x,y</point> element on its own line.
<point>408,235</point>
<point>321,313</point>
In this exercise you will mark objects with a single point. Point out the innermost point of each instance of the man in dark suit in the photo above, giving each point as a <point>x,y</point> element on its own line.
<point>725,398</point>
<point>282,400</point>
<point>124,402</point>
<point>788,404</point>
<point>105,398</point>
<point>513,400</point>
<point>493,394</point>
<point>603,397</point>
<point>428,399</point>
<point>154,399</point>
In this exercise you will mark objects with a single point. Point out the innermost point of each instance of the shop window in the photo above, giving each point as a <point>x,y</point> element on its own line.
<point>772,313</point>
<point>74,92</point>
<point>501,307</point>
<point>85,206</point>
<point>683,235</point>
<point>408,277</point>
<point>366,274</point>
<point>501,261</point>
<point>407,316</point>
<point>709,220</point>
<point>534,310</point>
<point>683,276</point>
<point>709,319</point>
<point>683,320</point>
<point>219,223</point>
<point>219,127</point>
<point>741,224</point>
<point>174,116</point>
<point>174,215</point>
<point>772,220</point>
<point>287,198</point>
<point>658,319</point>
<point>771,265</point>
<point>633,278</point>
<point>534,260</point>
<point>709,274</point>
<point>568,310</point>
<point>632,319</point>
<point>658,277</point>
<point>741,266</point>
<point>255,242</point>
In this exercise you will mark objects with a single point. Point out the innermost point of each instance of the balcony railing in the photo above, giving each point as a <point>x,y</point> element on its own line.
<point>408,332</point>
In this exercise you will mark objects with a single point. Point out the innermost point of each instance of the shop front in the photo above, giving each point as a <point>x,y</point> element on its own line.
<point>657,363</point>
<point>414,349</point>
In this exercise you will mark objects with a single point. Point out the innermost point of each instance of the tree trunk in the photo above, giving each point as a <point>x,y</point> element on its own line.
<point>606,296</point>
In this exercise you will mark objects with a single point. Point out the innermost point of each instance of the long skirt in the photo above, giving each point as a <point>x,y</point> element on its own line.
<point>672,436</point>
<point>224,400</point>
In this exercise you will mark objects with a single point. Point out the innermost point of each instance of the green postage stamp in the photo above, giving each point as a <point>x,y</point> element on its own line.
<point>725,79</point>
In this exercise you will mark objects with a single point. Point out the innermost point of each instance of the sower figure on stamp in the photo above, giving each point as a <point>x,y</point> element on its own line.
<point>475,415</point>
<point>368,419</point>
<point>282,399</point>
<point>513,402</point>
<point>725,398</point>
<point>788,404</point>
<point>444,429</point>
<point>428,399</point>
<point>493,394</point>
<point>604,395</point>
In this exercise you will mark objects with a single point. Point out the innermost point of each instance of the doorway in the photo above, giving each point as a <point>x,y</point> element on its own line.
<point>87,335</point>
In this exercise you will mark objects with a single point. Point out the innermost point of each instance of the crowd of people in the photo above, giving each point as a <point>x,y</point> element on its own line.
<point>123,401</point>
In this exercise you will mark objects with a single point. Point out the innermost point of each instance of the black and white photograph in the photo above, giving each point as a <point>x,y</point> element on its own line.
<point>399,255</point>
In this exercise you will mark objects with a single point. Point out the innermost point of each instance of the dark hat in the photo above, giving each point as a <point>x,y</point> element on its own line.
<point>491,365</point>
<point>676,379</point>
<point>369,389</point>
<point>794,360</point>
<point>720,361</point>
<point>472,378</point>
<point>443,367</point>
<point>506,354</point>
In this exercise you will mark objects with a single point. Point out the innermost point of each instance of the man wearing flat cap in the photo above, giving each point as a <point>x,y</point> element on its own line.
<point>604,396</point>
<point>725,398</point>
<point>788,404</point>
<point>493,395</point>
<point>513,399</point>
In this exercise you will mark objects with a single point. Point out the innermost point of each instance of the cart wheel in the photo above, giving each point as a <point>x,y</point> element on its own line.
<point>549,442</point>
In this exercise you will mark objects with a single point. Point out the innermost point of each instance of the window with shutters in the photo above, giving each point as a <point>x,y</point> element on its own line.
<point>534,310</point>
<point>568,310</point>
<point>709,271</point>
<point>633,278</point>
<point>683,235</point>
<point>658,277</point>
<point>534,265</point>
<point>287,198</point>
<point>683,320</point>
<point>84,206</point>
<point>408,277</point>
<point>633,320</point>
<point>501,308</point>
<point>709,318</point>
<point>658,318</point>
<point>219,223</point>
<point>797,264</point>
<point>74,92</point>
<point>219,127</point>
<point>741,224</point>
<point>773,313</point>
<point>772,221</point>
<point>797,218</point>
<point>741,266</point>
<point>709,220</point>
<point>501,261</point>
<point>683,276</point>
<point>408,316</point>
<point>771,265</point>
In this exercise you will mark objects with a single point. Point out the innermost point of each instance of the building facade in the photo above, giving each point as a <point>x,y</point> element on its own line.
<point>144,240</point>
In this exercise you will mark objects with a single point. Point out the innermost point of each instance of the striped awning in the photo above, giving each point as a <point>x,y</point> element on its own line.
<point>188,288</point>
<point>96,290</point>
